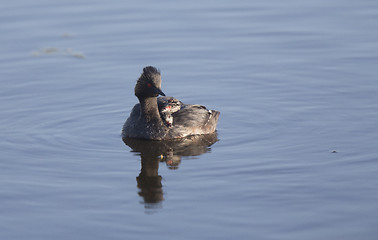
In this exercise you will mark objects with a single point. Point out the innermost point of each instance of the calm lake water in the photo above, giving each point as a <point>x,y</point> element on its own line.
<point>295,155</point>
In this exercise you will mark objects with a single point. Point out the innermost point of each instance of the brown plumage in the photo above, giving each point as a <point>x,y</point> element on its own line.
<point>148,120</point>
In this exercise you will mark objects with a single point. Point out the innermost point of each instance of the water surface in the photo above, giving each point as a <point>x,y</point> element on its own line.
<point>296,85</point>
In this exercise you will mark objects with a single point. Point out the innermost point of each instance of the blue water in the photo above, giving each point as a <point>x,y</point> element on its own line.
<point>296,85</point>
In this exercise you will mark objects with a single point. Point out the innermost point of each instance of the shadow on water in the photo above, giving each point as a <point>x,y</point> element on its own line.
<point>170,152</point>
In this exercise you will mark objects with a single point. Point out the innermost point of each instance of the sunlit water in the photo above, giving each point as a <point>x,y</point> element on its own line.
<point>296,85</point>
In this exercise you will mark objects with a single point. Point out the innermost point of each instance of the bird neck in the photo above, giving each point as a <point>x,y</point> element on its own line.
<point>149,109</point>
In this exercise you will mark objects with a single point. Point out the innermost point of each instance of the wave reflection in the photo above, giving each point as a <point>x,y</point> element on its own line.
<point>170,152</point>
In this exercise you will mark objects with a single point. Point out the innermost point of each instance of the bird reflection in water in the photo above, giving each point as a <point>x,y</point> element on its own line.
<point>168,151</point>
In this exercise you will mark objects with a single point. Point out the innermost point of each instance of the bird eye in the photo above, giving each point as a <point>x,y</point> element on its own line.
<point>149,85</point>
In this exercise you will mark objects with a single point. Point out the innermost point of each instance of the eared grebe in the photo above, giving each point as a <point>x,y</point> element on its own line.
<point>165,117</point>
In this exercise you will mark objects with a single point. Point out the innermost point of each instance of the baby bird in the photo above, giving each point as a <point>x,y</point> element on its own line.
<point>167,106</point>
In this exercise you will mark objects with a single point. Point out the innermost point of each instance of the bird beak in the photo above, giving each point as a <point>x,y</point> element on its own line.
<point>159,91</point>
